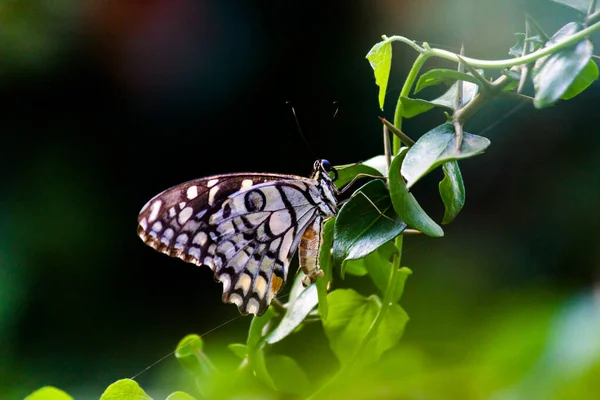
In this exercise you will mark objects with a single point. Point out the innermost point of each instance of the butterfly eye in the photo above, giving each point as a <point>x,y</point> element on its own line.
<point>326,165</point>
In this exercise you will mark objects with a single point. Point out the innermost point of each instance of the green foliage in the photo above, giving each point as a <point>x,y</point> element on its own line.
<point>554,75</point>
<point>365,240</point>
<point>48,393</point>
<point>125,389</point>
<point>437,147</point>
<point>364,223</point>
<point>452,191</point>
<point>380,58</point>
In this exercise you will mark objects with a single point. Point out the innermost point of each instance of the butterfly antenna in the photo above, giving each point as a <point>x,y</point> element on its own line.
<point>289,103</point>
<point>336,107</point>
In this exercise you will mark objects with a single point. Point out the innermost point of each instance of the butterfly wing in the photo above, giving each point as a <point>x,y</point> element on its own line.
<point>245,227</point>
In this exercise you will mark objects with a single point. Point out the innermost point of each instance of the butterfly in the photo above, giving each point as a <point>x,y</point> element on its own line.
<point>246,227</point>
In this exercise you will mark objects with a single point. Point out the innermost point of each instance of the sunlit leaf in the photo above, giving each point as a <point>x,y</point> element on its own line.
<point>349,171</point>
<point>380,58</point>
<point>125,389</point>
<point>180,396</point>
<point>437,147</point>
<point>287,375</point>
<point>326,266</point>
<point>579,5</point>
<point>351,315</point>
<point>379,163</point>
<point>296,312</point>
<point>436,76</point>
<point>189,354</point>
<point>414,107</point>
<point>586,77</point>
<point>240,350</point>
<point>364,223</point>
<point>554,74</point>
<point>48,393</point>
<point>405,204</point>
<point>452,191</point>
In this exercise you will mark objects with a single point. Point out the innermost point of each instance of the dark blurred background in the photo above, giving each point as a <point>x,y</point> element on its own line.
<point>107,103</point>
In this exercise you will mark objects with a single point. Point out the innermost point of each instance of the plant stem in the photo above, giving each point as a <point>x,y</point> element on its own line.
<point>408,84</point>
<point>529,58</point>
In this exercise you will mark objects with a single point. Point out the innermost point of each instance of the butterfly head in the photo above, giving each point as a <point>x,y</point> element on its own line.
<point>325,167</point>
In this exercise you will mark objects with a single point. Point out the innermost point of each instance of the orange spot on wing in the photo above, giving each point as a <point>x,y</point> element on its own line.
<point>276,283</point>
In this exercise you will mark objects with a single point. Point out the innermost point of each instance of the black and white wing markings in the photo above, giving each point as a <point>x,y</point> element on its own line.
<point>245,227</point>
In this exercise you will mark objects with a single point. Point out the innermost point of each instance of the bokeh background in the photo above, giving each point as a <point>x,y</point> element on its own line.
<point>106,103</point>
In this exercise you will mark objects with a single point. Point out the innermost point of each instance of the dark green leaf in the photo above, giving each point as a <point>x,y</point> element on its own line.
<point>452,191</point>
<point>405,204</point>
<point>48,393</point>
<point>414,107</point>
<point>586,77</point>
<point>360,226</point>
<point>180,396</point>
<point>437,76</point>
<point>554,74</point>
<point>297,310</point>
<point>350,318</point>
<point>287,375</point>
<point>579,5</point>
<point>325,265</point>
<point>380,58</point>
<point>189,354</point>
<point>347,172</point>
<point>240,350</point>
<point>437,147</point>
<point>256,343</point>
<point>124,389</point>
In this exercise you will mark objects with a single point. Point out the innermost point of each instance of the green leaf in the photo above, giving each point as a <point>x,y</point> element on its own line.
<point>355,267</point>
<point>240,350</point>
<point>414,107</point>
<point>379,266</point>
<point>437,147</point>
<point>347,172</point>
<point>48,393</point>
<point>379,163</point>
<point>380,58</point>
<point>180,396</point>
<point>579,5</point>
<point>437,76</point>
<point>288,376</point>
<point>534,43</point>
<point>452,191</point>
<point>124,389</point>
<point>189,354</point>
<point>586,77</point>
<point>360,228</point>
<point>405,204</point>
<point>350,318</point>
<point>554,74</point>
<point>325,265</point>
<point>256,343</point>
<point>296,311</point>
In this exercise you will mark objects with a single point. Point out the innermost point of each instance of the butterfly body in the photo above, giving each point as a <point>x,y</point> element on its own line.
<point>246,227</point>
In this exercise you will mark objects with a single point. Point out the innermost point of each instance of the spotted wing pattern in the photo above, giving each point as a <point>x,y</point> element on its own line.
<point>245,227</point>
